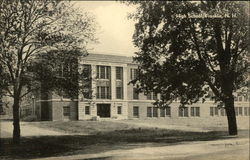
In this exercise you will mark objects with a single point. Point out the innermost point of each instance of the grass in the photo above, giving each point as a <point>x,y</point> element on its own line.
<point>84,127</point>
<point>99,137</point>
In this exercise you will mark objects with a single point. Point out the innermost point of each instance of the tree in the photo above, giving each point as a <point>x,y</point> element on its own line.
<point>30,29</point>
<point>188,48</point>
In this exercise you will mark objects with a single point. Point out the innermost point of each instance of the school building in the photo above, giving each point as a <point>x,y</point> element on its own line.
<point>113,98</point>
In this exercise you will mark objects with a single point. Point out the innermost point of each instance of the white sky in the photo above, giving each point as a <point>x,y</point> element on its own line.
<point>116,31</point>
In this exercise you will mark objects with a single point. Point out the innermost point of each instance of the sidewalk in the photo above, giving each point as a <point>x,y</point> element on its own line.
<point>229,149</point>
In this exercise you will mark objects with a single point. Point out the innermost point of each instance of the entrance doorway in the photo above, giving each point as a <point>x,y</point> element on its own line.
<point>103,110</point>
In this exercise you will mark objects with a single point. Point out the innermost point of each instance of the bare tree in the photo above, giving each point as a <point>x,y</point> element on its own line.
<point>31,28</point>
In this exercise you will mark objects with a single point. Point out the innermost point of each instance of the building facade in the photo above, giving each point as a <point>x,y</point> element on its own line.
<point>113,97</point>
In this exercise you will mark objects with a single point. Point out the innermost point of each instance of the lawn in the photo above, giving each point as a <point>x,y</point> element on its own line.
<point>93,137</point>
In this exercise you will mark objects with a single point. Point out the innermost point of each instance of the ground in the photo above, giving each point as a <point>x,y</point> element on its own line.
<point>126,139</point>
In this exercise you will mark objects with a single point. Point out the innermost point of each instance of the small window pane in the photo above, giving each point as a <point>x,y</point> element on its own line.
<point>135,94</point>
<point>87,110</point>
<point>119,109</point>
<point>136,111</point>
<point>162,112</point>
<point>149,111</point>
<point>155,112</point>
<point>66,110</point>
<point>168,111</point>
<point>119,73</point>
<point>211,111</point>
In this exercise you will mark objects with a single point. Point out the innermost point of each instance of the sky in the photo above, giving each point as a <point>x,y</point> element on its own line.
<point>115,29</point>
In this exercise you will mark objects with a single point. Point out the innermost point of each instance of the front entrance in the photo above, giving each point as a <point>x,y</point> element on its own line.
<point>103,110</point>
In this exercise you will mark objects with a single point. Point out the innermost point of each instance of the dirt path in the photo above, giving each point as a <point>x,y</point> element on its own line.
<point>230,149</point>
<point>27,130</point>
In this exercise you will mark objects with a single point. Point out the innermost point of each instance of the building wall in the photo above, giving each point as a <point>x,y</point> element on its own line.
<point>77,108</point>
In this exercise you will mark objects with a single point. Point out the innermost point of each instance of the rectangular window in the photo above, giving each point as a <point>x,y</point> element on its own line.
<point>236,111</point>
<point>168,111</point>
<point>192,111</point>
<point>87,110</point>
<point>119,109</point>
<point>211,111</point>
<point>195,111</point>
<point>183,112</point>
<point>103,75</point>
<point>149,111</point>
<point>222,111</point>
<point>162,112</point>
<point>135,94</point>
<point>240,111</point>
<point>154,96</point>
<point>246,111</point>
<point>155,112</point>
<point>66,110</point>
<point>240,98</point>
<point>216,111</point>
<point>119,93</point>
<point>103,92</point>
<point>246,98</point>
<point>119,73</point>
<point>136,111</point>
<point>103,72</point>
<point>133,73</point>
<point>149,96</point>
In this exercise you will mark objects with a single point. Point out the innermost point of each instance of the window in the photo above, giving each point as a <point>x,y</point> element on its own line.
<point>103,75</point>
<point>240,98</point>
<point>66,110</point>
<point>246,111</point>
<point>103,92</point>
<point>87,110</point>
<point>135,93</point>
<point>183,111</point>
<point>246,98</point>
<point>136,111</point>
<point>211,111</point>
<point>119,73</point>
<point>103,72</point>
<point>119,93</point>
<point>133,73</point>
<point>149,111</point>
<point>238,111</point>
<point>222,112</point>
<point>119,109</point>
<point>168,111</point>
<point>154,96</point>
<point>152,112</point>
<point>195,111</point>
<point>214,111</point>
<point>155,112</point>
<point>162,112</point>
<point>149,96</point>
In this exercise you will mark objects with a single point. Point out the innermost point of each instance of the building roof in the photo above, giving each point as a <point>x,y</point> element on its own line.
<point>108,58</point>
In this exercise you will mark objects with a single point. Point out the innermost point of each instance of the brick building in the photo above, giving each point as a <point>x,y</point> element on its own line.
<point>114,98</point>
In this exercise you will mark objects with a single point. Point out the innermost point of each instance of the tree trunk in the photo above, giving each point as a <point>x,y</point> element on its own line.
<point>231,118</point>
<point>16,120</point>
